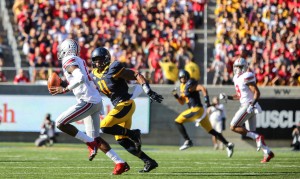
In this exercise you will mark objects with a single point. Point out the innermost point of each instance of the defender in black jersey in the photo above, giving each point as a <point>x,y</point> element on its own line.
<point>111,78</point>
<point>189,93</point>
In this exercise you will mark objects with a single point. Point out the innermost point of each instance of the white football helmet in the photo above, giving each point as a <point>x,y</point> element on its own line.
<point>66,48</point>
<point>240,66</point>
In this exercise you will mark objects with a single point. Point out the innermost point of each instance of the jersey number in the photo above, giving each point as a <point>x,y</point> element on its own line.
<point>238,91</point>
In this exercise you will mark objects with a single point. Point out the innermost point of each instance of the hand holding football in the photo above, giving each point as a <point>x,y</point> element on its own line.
<point>53,81</point>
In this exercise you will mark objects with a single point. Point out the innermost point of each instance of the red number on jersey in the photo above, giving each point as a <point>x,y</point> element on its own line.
<point>238,91</point>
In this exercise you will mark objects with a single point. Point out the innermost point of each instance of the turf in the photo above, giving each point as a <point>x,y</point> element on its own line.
<point>23,160</point>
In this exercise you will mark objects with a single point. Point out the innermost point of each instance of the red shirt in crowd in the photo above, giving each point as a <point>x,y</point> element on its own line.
<point>21,79</point>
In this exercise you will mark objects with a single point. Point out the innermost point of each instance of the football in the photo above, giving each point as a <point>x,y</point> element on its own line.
<point>54,80</point>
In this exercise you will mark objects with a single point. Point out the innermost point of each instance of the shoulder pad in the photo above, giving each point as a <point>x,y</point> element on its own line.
<point>69,61</point>
<point>191,82</point>
<point>115,68</point>
<point>249,77</point>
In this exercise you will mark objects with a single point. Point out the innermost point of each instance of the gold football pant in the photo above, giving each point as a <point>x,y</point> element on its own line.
<point>192,114</point>
<point>120,115</point>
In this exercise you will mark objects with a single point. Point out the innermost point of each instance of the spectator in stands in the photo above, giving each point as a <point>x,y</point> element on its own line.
<point>192,68</point>
<point>218,66</point>
<point>153,63</point>
<point>2,76</point>
<point>169,69</point>
<point>21,77</point>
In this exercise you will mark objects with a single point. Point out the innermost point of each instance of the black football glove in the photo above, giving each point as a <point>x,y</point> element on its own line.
<point>154,96</point>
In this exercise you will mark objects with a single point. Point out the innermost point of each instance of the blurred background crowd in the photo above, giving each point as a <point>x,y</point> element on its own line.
<point>139,34</point>
<point>266,33</point>
<point>156,37</point>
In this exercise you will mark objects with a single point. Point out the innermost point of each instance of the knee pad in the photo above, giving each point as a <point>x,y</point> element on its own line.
<point>128,145</point>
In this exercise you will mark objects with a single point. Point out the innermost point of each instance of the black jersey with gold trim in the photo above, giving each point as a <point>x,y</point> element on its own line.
<point>109,84</point>
<point>192,98</point>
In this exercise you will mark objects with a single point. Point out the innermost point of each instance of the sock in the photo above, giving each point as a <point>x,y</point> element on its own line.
<point>219,136</point>
<point>83,137</point>
<point>252,135</point>
<point>145,157</point>
<point>182,131</point>
<point>114,156</point>
<point>265,149</point>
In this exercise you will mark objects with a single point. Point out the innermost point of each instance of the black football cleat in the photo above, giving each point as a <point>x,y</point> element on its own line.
<point>149,165</point>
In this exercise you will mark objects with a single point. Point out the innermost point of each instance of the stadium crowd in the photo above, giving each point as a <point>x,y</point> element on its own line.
<point>266,33</point>
<point>137,33</point>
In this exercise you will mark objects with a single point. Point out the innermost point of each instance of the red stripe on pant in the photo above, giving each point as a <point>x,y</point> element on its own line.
<point>77,113</point>
<point>241,119</point>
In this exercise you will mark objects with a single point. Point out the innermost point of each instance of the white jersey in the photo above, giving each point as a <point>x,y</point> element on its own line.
<point>86,91</point>
<point>241,87</point>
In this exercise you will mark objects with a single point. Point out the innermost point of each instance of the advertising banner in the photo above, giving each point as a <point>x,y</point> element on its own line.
<point>278,117</point>
<point>25,113</point>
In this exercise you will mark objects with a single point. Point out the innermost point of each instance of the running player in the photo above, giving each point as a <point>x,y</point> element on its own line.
<point>189,89</point>
<point>88,107</point>
<point>248,94</point>
<point>111,79</point>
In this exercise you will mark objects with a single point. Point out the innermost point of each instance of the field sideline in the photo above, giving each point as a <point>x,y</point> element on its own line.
<point>24,160</point>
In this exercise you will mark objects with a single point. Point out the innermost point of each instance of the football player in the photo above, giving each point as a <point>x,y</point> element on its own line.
<point>111,79</point>
<point>88,107</point>
<point>248,94</point>
<point>189,93</point>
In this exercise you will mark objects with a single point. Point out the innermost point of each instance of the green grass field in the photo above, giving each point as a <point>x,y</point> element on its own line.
<point>24,160</point>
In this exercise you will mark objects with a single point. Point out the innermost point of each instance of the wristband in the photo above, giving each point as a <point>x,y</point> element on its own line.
<point>146,88</point>
<point>206,99</point>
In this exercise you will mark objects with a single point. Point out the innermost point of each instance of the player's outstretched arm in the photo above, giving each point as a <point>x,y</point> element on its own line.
<point>225,97</point>
<point>128,74</point>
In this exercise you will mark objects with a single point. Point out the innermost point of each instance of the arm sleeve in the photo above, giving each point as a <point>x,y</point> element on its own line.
<point>78,79</point>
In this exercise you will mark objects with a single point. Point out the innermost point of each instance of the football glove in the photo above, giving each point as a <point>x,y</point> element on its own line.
<point>223,96</point>
<point>250,109</point>
<point>154,96</point>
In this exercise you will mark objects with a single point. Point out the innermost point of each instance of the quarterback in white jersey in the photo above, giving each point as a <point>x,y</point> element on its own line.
<point>88,107</point>
<point>85,91</point>
<point>248,94</point>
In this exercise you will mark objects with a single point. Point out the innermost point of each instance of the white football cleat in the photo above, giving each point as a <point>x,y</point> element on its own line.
<point>229,149</point>
<point>187,144</point>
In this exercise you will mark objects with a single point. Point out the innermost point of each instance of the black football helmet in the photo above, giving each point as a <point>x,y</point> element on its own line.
<point>100,58</point>
<point>184,74</point>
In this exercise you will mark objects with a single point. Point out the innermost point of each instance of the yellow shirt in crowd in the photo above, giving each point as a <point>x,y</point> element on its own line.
<point>193,70</point>
<point>170,70</point>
